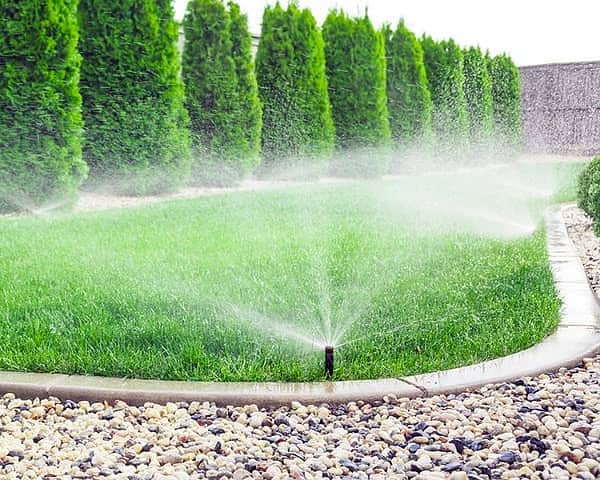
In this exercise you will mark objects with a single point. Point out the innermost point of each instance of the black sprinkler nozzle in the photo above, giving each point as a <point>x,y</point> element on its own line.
<point>329,361</point>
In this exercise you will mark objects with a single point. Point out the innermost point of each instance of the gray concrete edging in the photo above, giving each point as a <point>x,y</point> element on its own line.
<point>577,337</point>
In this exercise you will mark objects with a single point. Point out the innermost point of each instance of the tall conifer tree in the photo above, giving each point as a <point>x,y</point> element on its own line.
<point>506,93</point>
<point>409,100</point>
<point>212,94</point>
<point>250,110</point>
<point>290,68</point>
<point>356,73</point>
<point>478,95</point>
<point>135,121</point>
<point>40,104</point>
<point>450,120</point>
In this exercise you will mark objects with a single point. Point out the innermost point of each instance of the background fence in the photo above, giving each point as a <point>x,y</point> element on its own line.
<point>561,108</point>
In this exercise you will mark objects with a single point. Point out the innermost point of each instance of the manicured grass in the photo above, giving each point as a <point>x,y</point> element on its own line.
<point>405,275</point>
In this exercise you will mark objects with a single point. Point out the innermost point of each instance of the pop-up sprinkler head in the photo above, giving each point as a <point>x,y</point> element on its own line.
<point>329,361</point>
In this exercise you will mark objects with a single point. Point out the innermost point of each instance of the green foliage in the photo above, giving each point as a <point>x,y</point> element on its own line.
<point>250,109</point>
<point>506,93</point>
<point>478,94</point>
<point>356,73</point>
<point>136,124</point>
<point>40,104</point>
<point>213,98</point>
<point>409,100</point>
<point>290,69</point>
<point>588,192</point>
<point>450,121</point>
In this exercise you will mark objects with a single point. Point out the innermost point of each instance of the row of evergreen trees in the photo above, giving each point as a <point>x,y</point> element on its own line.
<point>109,65</point>
<point>476,100</point>
<point>360,93</point>
<point>388,91</point>
<point>113,66</point>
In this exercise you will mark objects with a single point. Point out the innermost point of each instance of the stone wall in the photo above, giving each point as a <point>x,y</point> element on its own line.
<point>561,108</point>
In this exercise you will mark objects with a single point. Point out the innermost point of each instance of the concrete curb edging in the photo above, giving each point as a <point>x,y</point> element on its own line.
<point>577,337</point>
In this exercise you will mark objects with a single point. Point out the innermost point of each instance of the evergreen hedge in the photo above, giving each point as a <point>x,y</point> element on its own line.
<point>356,73</point>
<point>478,94</point>
<point>297,130</point>
<point>213,97</point>
<point>250,109</point>
<point>409,100</point>
<point>450,121</point>
<point>40,104</point>
<point>136,124</point>
<point>506,94</point>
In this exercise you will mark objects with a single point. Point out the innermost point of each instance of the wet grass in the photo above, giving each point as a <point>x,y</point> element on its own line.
<point>405,276</point>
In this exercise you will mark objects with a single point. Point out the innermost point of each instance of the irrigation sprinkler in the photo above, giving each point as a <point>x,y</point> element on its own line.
<point>329,361</point>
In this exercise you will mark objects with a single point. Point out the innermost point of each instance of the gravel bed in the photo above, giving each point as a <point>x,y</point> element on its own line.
<point>545,427</point>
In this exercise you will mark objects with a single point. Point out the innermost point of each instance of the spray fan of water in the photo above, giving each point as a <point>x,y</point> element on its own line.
<point>500,203</point>
<point>265,278</point>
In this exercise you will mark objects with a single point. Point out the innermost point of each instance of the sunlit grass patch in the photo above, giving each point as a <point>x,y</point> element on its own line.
<point>403,275</point>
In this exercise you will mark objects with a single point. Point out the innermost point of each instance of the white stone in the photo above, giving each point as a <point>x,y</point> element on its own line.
<point>257,419</point>
<point>323,412</point>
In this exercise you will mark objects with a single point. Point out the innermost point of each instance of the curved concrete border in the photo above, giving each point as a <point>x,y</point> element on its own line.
<point>577,336</point>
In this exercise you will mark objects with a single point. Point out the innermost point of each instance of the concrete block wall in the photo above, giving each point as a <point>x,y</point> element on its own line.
<point>561,108</point>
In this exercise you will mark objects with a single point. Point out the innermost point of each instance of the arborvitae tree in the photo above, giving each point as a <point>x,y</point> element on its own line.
<point>478,94</point>
<point>450,121</point>
<point>409,100</point>
<point>250,111</point>
<point>356,73</point>
<point>506,93</point>
<point>290,69</point>
<point>40,105</point>
<point>136,125</point>
<point>212,95</point>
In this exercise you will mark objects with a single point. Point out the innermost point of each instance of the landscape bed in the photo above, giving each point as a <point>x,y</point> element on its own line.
<point>403,275</point>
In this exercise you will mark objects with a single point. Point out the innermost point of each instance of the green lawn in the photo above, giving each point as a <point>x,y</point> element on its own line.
<point>404,276</point>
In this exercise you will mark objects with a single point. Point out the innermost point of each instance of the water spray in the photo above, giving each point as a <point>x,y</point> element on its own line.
<point>329,361</point>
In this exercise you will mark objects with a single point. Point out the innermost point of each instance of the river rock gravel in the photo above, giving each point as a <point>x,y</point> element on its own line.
<point>547,427</point>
